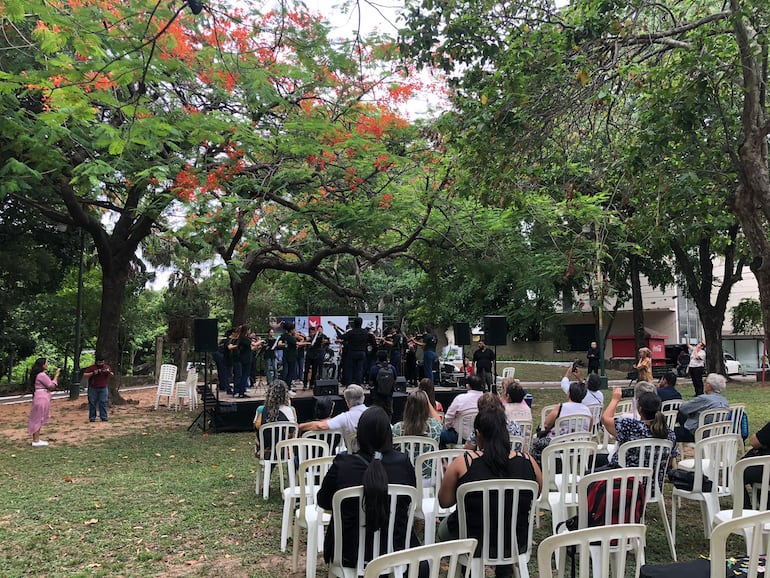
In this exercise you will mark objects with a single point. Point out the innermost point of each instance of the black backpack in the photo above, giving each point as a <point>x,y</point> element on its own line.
<point>385,380</point>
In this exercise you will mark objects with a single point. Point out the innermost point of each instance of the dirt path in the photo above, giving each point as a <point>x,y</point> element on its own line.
<point>69,419</point>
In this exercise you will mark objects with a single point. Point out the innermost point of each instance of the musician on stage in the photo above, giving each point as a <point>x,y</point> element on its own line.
<point>314,356</point>
<point>394,345</point>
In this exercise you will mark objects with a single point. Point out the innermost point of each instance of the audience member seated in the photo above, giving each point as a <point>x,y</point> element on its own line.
<point>426,385</point>
<point>651,424</point>
<point>689,411</point>
<point>463,403</point>
<point>417,418</point>
<point>490,401</point>
<point>347,421</point>
<point>594,394</point>
<point>760,446</point>
<point>277,408</point>
<point>516,409</point>
<point>573,406</point>
<point>667,387</point>
<point>493,460</point>
<point>374,465</point>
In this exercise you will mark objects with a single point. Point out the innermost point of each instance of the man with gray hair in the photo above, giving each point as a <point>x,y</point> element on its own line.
<point>689,412</point>
<point>347,421</point>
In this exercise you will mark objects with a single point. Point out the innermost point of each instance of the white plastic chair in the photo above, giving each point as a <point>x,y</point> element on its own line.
<point>308,516</point>
<point>395,491</point>
<point>710,416</point>
<point>736,416</point>
<point>544,413</point>
<point>293,452</point>
<point>518,443</point>
<point>509,372</point>
<point>500,499</point>
<point>715,457</point>
<point>602,538</point>
<point>277,430</point>
<point>627,480</point>
<point>703,432</point>
<point>760,497</point>
<point>559,493</point>
<point>166,384</point>
<point>653,453</point>
<point>596,422</point>
<point>334,438</point>
<point>414,446</point>
<point>187,390</point>
<point>408,561</point>
<point>432,512</point>
<point>754,525</point>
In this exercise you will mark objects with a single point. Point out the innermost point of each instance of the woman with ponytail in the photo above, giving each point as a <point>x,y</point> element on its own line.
<point>493,460</point>
<point>650,424</point>
<point>374,466</point>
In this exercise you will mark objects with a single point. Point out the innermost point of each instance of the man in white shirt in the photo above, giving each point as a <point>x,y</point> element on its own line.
<point>347,421</point>
<point>463,403</point>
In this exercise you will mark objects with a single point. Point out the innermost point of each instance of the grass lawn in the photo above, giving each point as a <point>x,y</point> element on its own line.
<point>157,501</point>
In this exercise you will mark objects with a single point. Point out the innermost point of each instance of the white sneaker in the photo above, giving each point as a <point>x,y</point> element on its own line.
<point>39,444</point>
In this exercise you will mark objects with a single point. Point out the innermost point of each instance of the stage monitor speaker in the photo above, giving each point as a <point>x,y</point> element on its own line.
<point>495,330</point>
<point>400,384</point>
<point>206,335</point>
<point>462,333</point>
<point>326,387</point>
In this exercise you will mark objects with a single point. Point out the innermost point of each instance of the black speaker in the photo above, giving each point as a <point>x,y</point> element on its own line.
<point>206,334</point>
<point>326,387</point>
<point>495,330</point>
<point>400,384</point>
<point>462,333</point>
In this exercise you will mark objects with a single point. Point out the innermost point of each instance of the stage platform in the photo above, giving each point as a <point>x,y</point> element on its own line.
<point>232,414</point>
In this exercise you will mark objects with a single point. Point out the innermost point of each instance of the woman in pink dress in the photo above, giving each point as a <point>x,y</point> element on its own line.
<point>40,413</point>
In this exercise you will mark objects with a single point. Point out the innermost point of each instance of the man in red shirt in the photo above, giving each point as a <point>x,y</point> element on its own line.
<point>98,376</point>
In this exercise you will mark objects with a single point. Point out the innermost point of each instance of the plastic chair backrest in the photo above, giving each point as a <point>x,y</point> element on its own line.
<point>278,431</point>
<point>167,379</point>
<point>596,420</point>
<point>737,410</point>
<point>578,436</point>
<point>653,453</point>
<point>500,500</point>
<point>572,423</point>
<point>627,481</point>
<point>310,474</point>
<point>435,554</point>
<point>671,404</point>
<point>601,536</point>
<point>763,496</point>
<point>715,457</point>
<point>709,416</point>
<point>294,451</point>
<point>545,411</point>
<point>465,425</point>
<point>670,416</point>
<point>526,432</point>
<point>576,458</point>
<point>414,446</point>
<point>395,491</point>
<point>437,462</point>
<point>713,429</point>
<point>509,372</point>
<point>753,525</point>
<point>334,438</point>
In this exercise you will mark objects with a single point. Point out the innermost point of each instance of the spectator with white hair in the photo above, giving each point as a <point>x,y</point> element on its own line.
<point>713,387</point>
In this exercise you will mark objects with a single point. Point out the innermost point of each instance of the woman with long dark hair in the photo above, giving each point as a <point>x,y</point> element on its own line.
<point>417,418</point>
<point>374,466</point>
<point>493,460</point>
<point>40,413</point>
<point>650,424</point>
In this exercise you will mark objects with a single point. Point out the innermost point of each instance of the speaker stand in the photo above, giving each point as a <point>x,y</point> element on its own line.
<point>494,372</point>
<point>210,403</point>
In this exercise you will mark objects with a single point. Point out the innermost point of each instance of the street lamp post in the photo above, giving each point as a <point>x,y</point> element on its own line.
<point>75,382</point>
<point>599,303</point>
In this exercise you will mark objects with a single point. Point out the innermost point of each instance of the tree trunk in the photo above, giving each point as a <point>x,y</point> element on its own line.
<point>113,296</point>
<point>637,302</point>
<point>240,286</point>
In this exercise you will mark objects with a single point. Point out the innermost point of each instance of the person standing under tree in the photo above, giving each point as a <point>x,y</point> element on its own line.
<point>593,358</point>
<point>40,413</point>
<point>98,376</point>
<point>483,358</point>
<point>697,366</point>
<point>644,365</point>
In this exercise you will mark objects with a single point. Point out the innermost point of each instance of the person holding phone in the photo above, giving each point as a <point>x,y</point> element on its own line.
<point>43,386</point>
<point>98,376</point>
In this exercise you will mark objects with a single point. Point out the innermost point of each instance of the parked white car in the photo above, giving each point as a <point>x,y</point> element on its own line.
<point>733,366</point>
